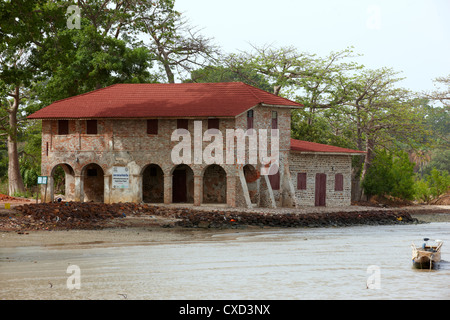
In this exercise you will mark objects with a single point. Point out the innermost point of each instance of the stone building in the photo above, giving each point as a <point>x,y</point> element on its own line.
<point>117,144</point>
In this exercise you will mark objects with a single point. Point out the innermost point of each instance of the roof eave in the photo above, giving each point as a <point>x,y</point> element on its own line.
<point>282,106</point>
<point>360,153</point>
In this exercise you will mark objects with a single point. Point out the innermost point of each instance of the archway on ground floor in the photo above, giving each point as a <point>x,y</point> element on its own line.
<point>182,184</point>
<point>153,184</point>
<point>252,177</point>
<point>93,183</point>
<point>214,184</point>
<point>63,182</point>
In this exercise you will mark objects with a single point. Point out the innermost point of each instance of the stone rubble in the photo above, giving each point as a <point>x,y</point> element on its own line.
<point>77,215</point>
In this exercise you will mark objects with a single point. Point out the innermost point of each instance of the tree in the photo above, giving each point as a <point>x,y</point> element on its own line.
<point>441,94</point>
<point>105,50</point>
<point>382,113</point>
<point>22,26</point>
<point>390,175</point>
<point>218,73</point>
<point>176,45</point>
<point>281,67</point>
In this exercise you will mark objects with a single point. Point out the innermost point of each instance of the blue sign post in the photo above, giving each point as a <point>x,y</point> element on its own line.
<point>42,180</point>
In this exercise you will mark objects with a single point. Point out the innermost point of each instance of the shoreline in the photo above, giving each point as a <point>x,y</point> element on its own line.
<point>184,224</point>
<point>125,223</point>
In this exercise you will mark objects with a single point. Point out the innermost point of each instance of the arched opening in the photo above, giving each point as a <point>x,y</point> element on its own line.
<point>251,177</point>
<point>183,184</point>
<point>93,183</point>
<point>63,179</point>
<point>214,184</point>
<point>153,184</point>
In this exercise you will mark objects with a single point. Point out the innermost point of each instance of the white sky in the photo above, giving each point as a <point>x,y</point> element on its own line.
<point>412,36</point>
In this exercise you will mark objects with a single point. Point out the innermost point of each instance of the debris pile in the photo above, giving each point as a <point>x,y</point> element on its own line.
<point>77,215</point>
<point>291,220</point>
<point>6,198</point>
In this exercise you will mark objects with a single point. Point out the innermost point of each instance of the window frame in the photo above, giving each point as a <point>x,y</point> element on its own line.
<point>152,126</point>
<point>90,125</point>
<point>338,182</point>
<point>250,119</point>
<point>302,178</point>
<point>66,127</point>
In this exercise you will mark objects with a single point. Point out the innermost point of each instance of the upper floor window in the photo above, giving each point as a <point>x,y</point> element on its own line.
<point>91,126</point>
<point>182,124</point>
<point>213,123</point>
<point>274,120</point>
<point>63,126</point>
<point>152,126</point>
<point>250,119</point>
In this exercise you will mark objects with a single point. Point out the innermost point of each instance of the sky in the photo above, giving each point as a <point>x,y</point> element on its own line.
<point>410,36</point>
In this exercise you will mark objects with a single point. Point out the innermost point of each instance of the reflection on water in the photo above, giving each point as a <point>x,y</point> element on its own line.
<point>327,263</point>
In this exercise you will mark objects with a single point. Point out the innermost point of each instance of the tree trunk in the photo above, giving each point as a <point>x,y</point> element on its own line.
<point>367,162</point>
<point>15,182</point>
<point>276,90</point>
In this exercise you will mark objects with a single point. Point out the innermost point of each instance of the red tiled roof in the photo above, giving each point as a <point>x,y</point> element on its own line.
<point>305,146</point>
<point>162,100</point>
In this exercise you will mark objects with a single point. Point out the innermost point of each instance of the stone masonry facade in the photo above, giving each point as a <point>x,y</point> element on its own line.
<point>93,152</point>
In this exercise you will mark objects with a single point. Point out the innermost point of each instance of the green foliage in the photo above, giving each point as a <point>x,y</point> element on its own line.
<point>30,153</point>
<point>403,177</point>
<point>211,74</point>
<point>391,175</point>
<point>379,178</point>
<point>422,191</point>
<point>432,185</point>
<point>439,182</point>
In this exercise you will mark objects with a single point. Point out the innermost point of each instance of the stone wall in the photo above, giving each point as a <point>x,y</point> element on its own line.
<point>125,143</point>
<point>312,164</point>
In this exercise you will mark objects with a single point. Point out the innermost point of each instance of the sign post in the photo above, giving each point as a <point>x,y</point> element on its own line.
<point>120,178</point>
<point>42,180</point>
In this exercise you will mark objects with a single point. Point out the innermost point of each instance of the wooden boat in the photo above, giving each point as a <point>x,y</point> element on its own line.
<point>427,256</point>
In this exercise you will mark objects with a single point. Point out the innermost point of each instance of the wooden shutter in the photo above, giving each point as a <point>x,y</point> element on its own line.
<point>301,181</point>
<point>182,124</point>
<point>275,180</point>
<point>91,126</point>
<point>213,123</point>
<point>63,126</point>
<point>339,182</point>
<point>250,119</point>
<point>152,126</point>
<point>274,120</point>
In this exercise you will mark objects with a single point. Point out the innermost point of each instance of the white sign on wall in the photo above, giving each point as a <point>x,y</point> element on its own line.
<point>120,178</point>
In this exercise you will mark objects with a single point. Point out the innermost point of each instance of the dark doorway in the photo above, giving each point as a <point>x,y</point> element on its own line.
<point>183,184</point>
<point>179,186</point>
<point>93,183</point>
<point>321,189</point>
<point>214,185</point>
<point>153,184</point>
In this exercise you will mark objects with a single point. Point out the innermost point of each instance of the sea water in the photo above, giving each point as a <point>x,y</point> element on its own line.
<point>360,262</point>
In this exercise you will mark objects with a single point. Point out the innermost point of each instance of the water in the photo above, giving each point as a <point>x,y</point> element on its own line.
<point>325,263</point>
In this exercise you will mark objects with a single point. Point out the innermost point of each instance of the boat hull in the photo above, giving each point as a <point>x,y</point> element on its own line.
<point>427,258</point>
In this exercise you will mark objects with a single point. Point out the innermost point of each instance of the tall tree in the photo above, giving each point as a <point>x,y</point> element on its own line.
<point>22,26</point>
<point>177,46</point>
<point>383,113</point>
<point>441,94</point>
